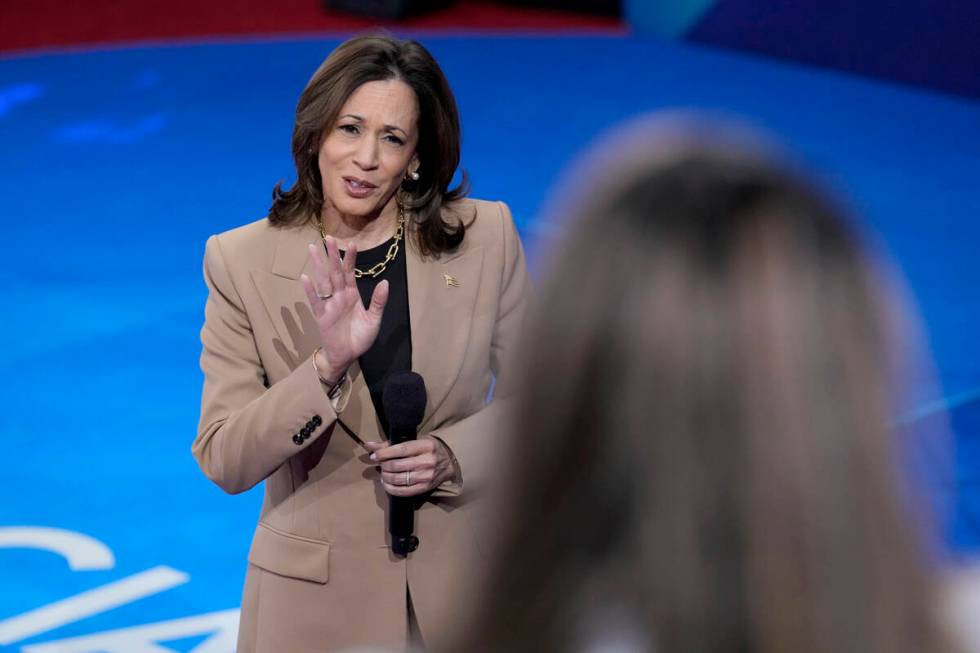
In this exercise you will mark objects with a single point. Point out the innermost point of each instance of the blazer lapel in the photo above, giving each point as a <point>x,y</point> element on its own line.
<point>442,294</point>
<point>284,299</point>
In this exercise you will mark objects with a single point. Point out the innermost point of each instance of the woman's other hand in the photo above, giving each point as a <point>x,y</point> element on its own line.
<point>347,329</point>
<point>414,467</point>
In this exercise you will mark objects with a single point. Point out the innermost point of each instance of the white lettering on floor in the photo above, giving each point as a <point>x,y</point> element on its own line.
<point>88,603</point>
<point>145,638</point>
<point>81,551</point>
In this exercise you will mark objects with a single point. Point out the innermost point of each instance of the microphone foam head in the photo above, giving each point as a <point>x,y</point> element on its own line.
<point>404,399</point>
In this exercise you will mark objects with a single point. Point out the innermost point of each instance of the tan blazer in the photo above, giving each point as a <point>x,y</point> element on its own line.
<point>321,575</point>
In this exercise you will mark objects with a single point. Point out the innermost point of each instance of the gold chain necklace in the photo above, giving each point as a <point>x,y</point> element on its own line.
<point>377,268</point>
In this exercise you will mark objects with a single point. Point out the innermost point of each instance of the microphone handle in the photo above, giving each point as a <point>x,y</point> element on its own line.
<point>401,510</point>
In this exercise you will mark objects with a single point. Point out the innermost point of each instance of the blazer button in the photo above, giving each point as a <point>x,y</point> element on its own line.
<point>316,420</point>
<point>297,438</point>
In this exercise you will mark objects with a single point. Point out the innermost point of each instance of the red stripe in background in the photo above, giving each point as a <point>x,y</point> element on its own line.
<point>33,24</point>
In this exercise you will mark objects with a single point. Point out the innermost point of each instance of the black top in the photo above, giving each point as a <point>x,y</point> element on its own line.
<point>392,351</point>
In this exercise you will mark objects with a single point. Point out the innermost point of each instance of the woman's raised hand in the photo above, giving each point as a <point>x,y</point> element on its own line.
<point>347,329</point>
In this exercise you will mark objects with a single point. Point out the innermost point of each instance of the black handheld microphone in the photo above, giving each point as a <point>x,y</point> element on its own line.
<point>403,400</point>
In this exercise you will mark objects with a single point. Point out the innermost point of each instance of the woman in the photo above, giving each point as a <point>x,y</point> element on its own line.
<point>711,470</point>
<point>369,265</point>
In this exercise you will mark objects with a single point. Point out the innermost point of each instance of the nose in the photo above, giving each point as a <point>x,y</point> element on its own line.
<point>366,154</point>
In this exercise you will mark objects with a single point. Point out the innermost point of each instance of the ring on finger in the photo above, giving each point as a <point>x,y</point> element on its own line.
<point>324,296</point>
<point>408,477</point>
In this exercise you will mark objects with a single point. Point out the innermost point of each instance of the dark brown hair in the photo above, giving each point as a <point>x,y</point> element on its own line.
<point>377,58</point>
<point>701,460</point>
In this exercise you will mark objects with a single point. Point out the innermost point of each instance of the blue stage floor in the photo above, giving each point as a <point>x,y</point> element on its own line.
<point>118,164</point>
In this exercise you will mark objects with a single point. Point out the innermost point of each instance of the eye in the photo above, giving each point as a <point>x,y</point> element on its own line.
<point>391,138</point>
<point>349,129</point>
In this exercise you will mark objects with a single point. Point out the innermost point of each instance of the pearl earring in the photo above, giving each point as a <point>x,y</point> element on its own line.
<point>414,175</point>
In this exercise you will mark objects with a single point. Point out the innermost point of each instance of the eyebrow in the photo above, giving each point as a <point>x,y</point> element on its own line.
<point>388,127</point>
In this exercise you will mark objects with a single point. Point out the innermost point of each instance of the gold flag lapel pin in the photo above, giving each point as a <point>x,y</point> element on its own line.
<point>451,281</point>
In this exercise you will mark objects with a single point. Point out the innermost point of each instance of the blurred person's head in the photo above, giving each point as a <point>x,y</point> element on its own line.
<point>701,459</point>
<point>378,113</point>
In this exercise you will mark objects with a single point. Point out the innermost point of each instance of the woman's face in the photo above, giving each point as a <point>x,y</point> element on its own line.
<point>365,155</point>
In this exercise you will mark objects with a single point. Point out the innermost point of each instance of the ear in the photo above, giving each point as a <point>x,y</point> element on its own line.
<point>412,169</point>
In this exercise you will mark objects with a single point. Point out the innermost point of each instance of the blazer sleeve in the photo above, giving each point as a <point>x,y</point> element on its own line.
<point>473,440</point>
<point>248,430</point>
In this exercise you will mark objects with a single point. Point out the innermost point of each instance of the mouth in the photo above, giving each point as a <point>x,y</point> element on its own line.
<point>358,188</point>
<point>359,184</point>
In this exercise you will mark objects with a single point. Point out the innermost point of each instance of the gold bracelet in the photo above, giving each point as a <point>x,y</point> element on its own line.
<point>332,386</point>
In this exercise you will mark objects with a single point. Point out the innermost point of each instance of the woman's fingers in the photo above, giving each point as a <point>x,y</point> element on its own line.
<point>378,300</point>
<point>402,450</point>
<point>409,468</point>
<point>402,465</point>
<point>319,263</point>
<point>311,295</point>
<point>321,279</point>
<point>408,478</point>
<point>406,490</point>
<point>335,269</point>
